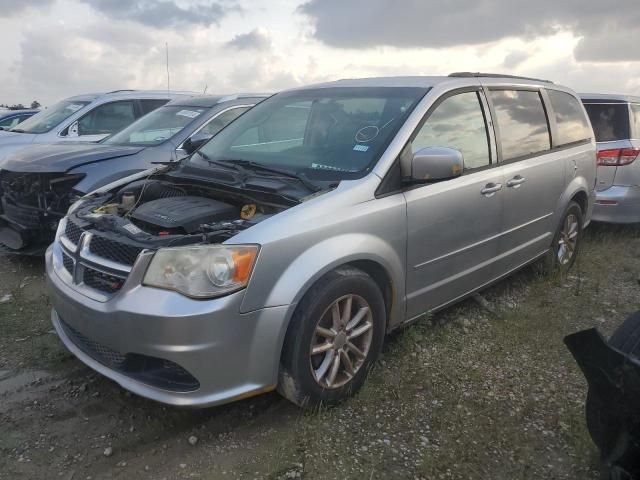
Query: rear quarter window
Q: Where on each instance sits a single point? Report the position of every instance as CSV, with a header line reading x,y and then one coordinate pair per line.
x,y
610,121
635,114
571,122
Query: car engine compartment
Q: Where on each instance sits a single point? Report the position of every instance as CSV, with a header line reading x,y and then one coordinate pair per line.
x,y
158,213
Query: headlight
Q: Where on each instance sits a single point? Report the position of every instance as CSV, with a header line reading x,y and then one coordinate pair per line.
x,y
203,271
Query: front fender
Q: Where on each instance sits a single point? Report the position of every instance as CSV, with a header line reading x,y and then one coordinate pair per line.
x,y
329,254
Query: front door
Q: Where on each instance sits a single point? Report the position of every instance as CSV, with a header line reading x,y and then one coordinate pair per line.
x,y
454,226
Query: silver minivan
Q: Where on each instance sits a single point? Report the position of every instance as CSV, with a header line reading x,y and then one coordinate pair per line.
x,y
616,126
281,253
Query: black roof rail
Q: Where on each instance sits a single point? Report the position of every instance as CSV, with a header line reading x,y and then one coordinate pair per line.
x,y
494,75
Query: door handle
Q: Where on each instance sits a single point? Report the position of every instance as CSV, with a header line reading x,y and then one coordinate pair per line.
x,y
516,181
490,189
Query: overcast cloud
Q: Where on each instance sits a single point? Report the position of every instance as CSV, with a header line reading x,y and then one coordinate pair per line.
x,y
57,48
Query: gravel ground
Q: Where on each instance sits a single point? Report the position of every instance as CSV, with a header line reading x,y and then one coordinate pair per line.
x,y
483,390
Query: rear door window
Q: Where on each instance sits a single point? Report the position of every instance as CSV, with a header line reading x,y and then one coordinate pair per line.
x,y
522,122
107,118
610,121
571,121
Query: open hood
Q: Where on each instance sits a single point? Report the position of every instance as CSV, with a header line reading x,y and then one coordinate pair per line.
x,y
62,157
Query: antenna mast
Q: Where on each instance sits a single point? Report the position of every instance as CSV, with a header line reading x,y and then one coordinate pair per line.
x,y
167,50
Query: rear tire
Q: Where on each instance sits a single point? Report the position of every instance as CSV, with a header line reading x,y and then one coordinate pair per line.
x,y
566,242
335,337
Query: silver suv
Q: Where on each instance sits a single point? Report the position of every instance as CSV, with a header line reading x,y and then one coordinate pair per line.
x,y
616,125
86,118
281,253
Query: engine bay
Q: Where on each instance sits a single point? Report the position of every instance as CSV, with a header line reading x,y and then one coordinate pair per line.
x,y
160,213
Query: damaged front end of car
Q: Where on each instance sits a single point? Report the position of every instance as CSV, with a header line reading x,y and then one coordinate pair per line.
x,y
187,219
612,370
31,204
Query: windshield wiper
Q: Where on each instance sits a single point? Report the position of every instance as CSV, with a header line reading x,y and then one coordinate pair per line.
x,y
17,130
301,177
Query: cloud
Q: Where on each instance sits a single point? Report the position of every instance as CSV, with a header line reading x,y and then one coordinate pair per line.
x,y
515,58
430,24
164,13
11,9
257,39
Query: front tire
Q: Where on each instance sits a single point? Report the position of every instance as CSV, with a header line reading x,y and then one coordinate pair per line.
x,y
335,337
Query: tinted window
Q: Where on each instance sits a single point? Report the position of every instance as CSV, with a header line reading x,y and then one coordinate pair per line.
x,y
150,105
222,120
522,122
610,122
107,118
635,113
458,122
570,119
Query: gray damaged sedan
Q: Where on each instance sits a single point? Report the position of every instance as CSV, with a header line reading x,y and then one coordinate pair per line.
x,y
280,253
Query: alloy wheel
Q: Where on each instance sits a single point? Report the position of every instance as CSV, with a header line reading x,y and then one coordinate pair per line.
x,y
341,341
568,240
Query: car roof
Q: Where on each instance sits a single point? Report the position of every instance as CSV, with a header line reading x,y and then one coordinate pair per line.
x,y
427,81
608,98
5,112
90,97
208,101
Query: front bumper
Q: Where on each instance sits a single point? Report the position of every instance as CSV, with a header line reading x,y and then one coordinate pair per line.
x,y
617,204
232,355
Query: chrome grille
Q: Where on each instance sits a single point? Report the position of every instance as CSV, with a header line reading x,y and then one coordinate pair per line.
x,y
96,263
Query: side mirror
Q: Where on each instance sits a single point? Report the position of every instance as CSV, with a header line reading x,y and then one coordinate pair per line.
x,y
191,144
432,164
72,131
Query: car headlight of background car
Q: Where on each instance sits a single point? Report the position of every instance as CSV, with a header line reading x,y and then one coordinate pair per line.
x,y
202,271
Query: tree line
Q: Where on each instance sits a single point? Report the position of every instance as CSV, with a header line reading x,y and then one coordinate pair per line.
x,y
19,106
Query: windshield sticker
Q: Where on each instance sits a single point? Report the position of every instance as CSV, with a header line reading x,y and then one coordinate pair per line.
x,y
74,107
360,148
131,228
188,113
331,168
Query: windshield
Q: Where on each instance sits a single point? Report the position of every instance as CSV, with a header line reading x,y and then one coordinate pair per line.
x,y
50,118
327,133
157,126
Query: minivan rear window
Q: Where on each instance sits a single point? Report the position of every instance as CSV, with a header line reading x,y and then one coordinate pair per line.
x,y
610,122
571,121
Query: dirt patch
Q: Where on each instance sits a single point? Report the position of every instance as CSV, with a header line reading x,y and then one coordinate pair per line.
x,y
482,390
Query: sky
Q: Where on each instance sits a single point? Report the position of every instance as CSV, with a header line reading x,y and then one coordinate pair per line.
x,y
52,49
